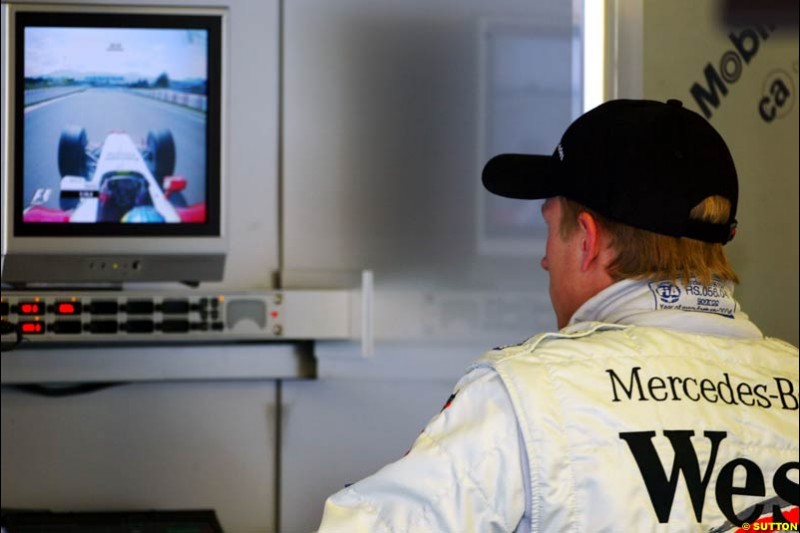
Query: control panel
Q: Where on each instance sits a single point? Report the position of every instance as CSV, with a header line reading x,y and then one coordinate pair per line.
x,y
127,316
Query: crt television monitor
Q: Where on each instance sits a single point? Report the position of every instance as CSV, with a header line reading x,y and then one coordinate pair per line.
x,y
112,151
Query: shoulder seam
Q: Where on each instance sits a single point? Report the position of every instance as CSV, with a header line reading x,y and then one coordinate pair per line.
x,y
533,343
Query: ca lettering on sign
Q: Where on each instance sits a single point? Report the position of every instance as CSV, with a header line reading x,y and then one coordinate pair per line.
x,y
778,96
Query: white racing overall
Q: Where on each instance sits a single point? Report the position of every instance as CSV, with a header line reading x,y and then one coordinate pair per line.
x,y
660,407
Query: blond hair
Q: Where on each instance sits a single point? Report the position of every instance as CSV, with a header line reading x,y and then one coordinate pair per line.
x,y
642,254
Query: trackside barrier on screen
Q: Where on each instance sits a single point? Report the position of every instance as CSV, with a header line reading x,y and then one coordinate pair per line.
x,y
191,100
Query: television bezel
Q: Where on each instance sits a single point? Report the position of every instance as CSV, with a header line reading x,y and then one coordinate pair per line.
x,y
101,259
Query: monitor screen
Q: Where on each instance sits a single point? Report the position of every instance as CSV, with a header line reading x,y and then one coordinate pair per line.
x,y
117,121
113,135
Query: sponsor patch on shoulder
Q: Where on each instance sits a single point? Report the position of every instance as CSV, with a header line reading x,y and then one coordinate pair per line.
x,y
505,346
449,401
713,298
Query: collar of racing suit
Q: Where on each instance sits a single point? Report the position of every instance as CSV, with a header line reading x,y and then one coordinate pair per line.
x,y
689,307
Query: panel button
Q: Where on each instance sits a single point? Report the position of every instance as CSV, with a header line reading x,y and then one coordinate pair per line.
x,y
139,326
104,307
103,326
140,307
67,327
175,326
175,307
4,308
30,308
68,308
32,328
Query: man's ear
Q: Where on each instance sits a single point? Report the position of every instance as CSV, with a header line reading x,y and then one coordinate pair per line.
x,y
591,246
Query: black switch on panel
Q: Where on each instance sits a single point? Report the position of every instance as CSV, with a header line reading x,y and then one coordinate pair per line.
x,y
139,326
104,307
175,326
103,326
175,307
139,307
67,327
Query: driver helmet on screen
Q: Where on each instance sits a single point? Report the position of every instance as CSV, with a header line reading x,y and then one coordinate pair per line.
x,y
142,213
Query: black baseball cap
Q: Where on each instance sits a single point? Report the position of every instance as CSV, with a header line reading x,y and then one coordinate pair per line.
x,y
639,162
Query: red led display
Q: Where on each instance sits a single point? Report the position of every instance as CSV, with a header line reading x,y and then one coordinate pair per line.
x,y
68,308
32,328
31,308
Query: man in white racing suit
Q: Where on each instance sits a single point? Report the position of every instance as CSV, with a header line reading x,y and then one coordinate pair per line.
x,y
657,406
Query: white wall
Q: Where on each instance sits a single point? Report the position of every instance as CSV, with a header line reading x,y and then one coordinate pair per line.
x,y
174,445
252,174
145,446
680,39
